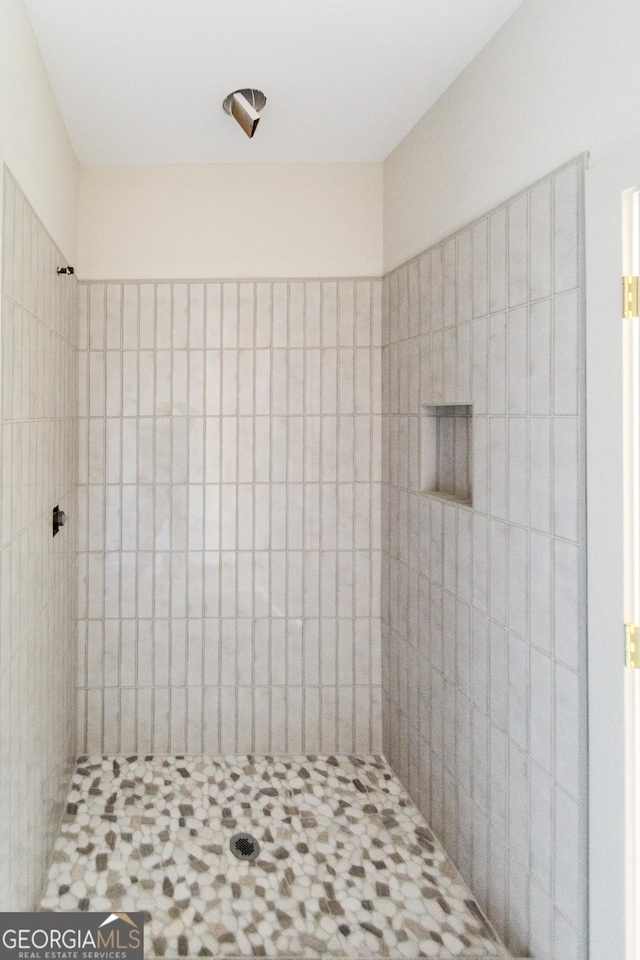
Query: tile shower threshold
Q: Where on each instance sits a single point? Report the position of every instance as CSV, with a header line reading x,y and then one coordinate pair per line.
x,y
347,868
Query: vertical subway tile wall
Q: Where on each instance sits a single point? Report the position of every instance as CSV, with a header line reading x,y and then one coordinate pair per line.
x,y
230,484
38,377
483,608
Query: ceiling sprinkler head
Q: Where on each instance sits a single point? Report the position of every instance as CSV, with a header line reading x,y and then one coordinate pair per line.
x,y
245,106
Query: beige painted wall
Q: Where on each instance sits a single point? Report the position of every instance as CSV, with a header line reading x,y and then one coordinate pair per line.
x,y
559,78
33,138
230,220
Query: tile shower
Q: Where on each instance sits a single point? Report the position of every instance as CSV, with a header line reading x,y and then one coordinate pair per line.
x,y
483,610
267,599
230,468
38,408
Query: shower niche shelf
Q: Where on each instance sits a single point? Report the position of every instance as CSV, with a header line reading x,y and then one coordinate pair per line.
x,y
446,452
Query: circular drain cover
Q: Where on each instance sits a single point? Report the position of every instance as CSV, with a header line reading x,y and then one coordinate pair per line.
x,y
244,846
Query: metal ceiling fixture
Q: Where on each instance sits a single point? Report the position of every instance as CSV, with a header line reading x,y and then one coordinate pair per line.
x,y
245,106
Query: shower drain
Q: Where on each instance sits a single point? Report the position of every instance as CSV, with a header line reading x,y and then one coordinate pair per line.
x,y
244,846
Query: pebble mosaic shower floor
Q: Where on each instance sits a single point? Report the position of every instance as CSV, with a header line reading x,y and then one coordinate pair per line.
x,y
347,867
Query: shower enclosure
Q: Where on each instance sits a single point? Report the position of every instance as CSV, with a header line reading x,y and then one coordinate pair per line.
x,y
314,521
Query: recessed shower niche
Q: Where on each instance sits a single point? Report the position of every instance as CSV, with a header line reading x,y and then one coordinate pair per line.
x,y
446,445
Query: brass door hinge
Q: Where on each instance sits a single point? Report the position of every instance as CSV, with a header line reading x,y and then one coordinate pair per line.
x,y
629,297
631,653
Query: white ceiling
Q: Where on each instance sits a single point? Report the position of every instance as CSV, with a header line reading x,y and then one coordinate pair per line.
x,y
142,81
